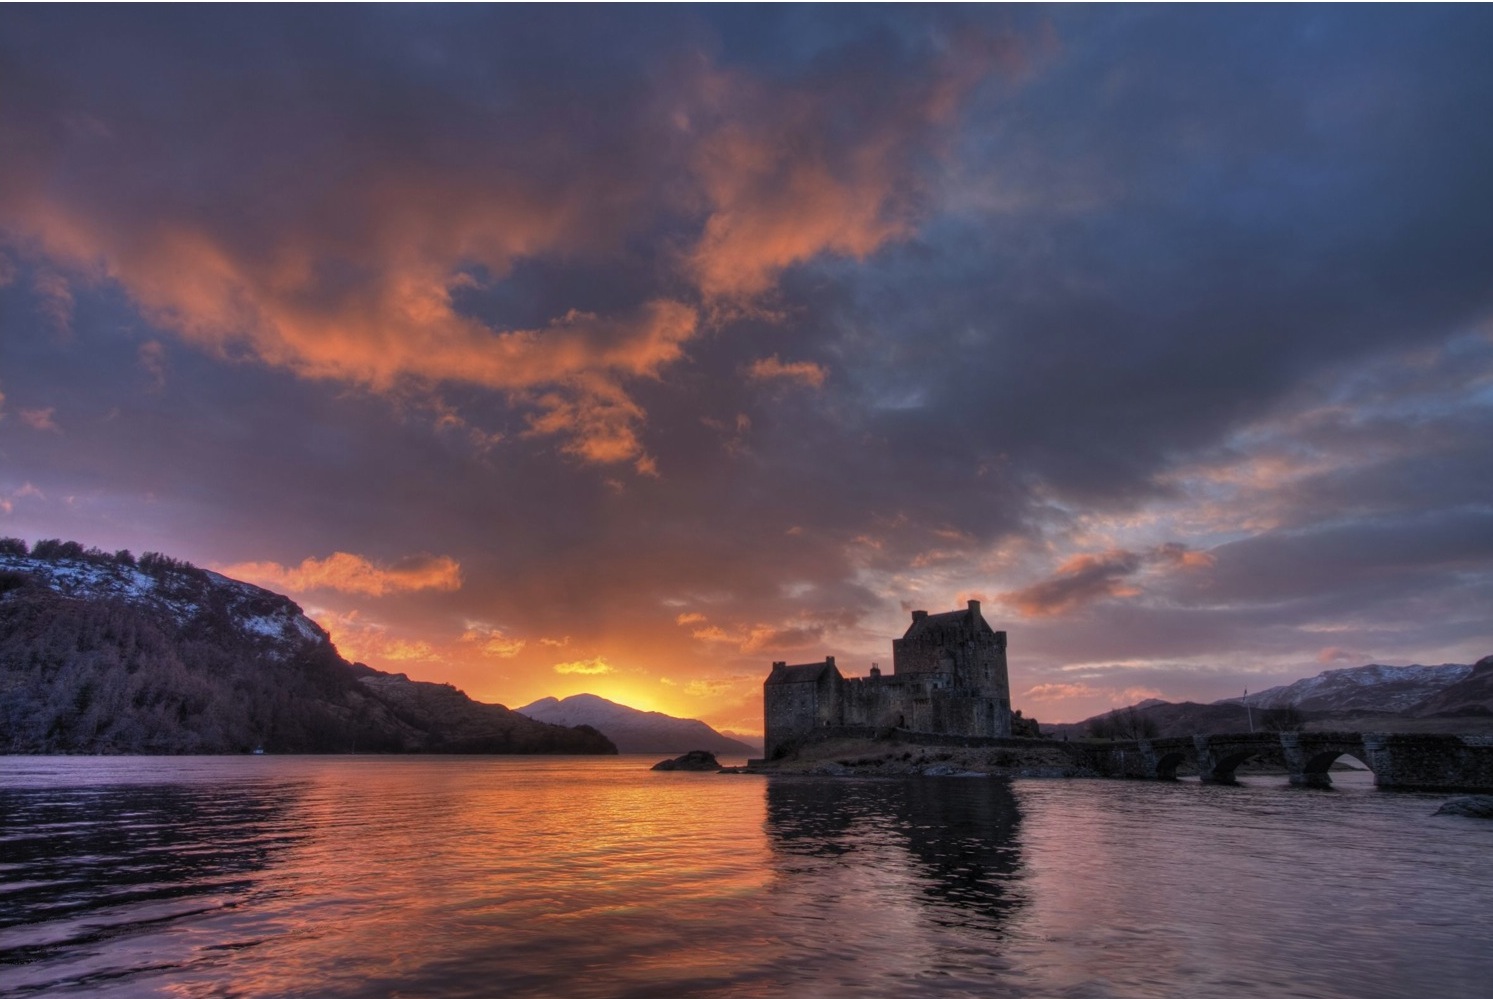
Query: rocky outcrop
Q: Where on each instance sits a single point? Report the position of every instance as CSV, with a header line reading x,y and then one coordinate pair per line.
x,y
695,759
1476,806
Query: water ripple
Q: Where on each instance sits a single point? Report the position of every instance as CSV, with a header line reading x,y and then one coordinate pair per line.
x,y
598,878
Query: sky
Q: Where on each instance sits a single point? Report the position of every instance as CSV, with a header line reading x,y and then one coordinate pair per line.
x,y
629,350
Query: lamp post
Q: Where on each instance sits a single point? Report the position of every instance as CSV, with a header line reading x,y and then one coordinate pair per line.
x,y
1248,713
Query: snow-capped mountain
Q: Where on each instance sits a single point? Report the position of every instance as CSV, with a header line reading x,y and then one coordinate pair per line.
x,y
632,730
1360,688
180,591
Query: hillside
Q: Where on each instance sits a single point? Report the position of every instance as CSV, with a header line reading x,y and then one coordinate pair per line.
x,y
1360,688
1449,698
632,730
1471,696
104,653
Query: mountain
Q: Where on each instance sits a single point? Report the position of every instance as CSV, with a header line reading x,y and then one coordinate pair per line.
x,y
752,742
1360,688
1470,696
1450,697
632,730
102,653
1155,719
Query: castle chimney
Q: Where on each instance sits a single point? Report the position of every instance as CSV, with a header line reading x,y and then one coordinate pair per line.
x,y
974,608
875,671
919,615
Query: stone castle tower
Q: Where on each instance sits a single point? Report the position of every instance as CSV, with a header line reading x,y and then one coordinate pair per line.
x,y
948,678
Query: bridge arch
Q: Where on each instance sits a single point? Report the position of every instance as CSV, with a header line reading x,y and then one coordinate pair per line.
x,y
1167,764
1315,770
1322,762
1225,765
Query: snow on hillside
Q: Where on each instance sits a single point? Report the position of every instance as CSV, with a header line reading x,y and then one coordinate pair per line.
x,y
183,593
1363,688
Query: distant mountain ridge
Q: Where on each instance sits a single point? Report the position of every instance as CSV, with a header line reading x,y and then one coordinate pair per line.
x,y
1452,696
104,653
632,730
1360,688
1470,696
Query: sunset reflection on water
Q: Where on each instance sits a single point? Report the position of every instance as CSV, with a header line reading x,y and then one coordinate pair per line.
x,y
379,876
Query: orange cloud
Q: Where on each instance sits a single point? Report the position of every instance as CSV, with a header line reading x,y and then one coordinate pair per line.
x,y
1086,578
718,686
586,667
1134,695
362,640
1080,580
363,274
347,573
791,174
769,368
753,638
780,194
398,326
493,641
1059,691
773,210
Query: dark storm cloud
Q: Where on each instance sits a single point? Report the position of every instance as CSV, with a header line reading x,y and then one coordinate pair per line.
x,y
691,336
1312,193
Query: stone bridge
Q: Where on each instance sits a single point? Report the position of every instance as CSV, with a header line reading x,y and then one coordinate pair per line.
x,y
1408,762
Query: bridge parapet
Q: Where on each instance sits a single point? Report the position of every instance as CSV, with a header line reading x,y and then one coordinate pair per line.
x,y
1401,761
1431,762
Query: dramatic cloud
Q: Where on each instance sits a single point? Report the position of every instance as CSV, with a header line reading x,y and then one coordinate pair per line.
x,y
1080,580
382,276
705,337
346,573
794,172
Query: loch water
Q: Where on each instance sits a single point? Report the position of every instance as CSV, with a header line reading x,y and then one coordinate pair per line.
x,y
596,877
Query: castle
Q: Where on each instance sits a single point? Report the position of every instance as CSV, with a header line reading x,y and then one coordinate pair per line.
x,y
948,678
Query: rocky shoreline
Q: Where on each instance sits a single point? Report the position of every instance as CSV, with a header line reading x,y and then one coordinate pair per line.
x,y
870,758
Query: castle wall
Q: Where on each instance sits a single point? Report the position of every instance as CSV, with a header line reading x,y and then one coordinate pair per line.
x,y
926,703
916,656
949,679
791,709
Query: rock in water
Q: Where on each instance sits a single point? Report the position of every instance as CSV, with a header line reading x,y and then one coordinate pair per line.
x,y
1477,806
695,759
